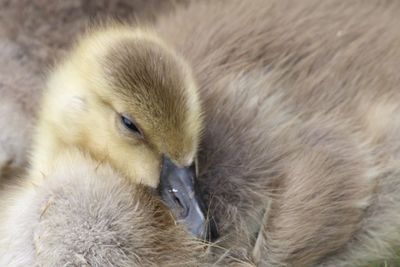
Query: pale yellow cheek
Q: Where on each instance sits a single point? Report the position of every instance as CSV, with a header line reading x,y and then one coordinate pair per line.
x,y
139,164
146,171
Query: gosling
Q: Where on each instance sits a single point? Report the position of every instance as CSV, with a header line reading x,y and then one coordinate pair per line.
x,y
128,100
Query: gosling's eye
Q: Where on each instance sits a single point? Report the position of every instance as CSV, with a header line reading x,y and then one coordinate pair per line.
x,y
130,125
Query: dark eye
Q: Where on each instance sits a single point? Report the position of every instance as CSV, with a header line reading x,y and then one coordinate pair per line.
x,y
129,125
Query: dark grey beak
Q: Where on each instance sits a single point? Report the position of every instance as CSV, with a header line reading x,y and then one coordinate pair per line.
x,y
178,190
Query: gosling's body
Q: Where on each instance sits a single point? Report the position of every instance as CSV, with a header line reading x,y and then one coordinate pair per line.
x,y
86,214
301,125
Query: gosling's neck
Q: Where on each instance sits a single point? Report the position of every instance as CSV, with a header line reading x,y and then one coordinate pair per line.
x,y
61,117
47,147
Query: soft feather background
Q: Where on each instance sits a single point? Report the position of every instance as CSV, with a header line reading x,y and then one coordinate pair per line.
x,y
32,35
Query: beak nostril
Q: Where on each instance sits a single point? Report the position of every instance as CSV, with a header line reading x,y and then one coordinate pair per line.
x,y
180,206
182,209
177,201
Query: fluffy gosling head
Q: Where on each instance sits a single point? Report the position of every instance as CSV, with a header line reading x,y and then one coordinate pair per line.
x,y
127,99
